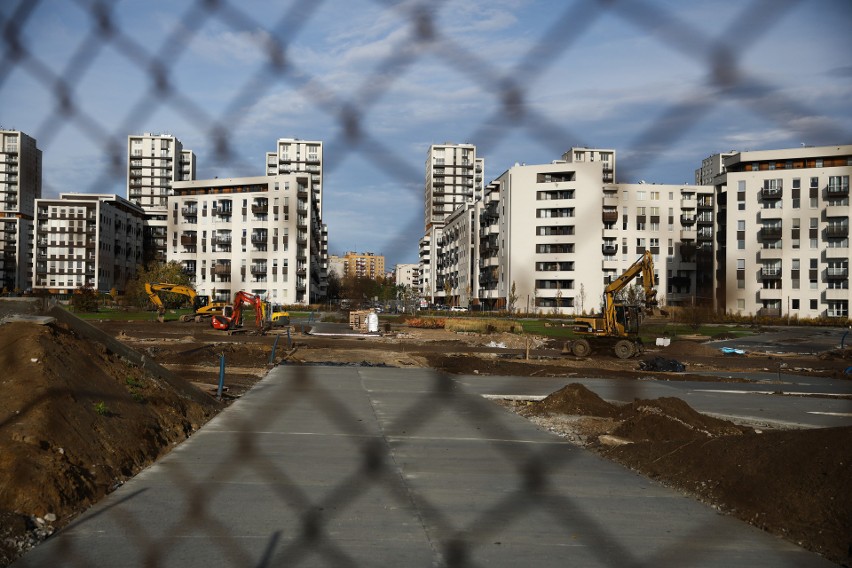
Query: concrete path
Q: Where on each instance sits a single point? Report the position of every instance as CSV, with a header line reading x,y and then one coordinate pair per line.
x,y
332,466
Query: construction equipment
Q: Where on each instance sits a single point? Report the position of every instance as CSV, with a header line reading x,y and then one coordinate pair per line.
x,y
231,319
200,304
279,316
618,326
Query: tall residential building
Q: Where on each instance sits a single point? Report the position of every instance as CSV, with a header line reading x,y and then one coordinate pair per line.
x,y
262,235
154,163
87,240
784,232
453,177
606,157
20,186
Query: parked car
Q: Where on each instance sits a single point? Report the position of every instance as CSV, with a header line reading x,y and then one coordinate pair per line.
x,y
458,309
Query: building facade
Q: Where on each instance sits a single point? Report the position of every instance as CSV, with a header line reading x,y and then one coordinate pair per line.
x,y
550,238
604,156
93,240
20,186
362,265
711,168
262,235
785,232
407,275
154,163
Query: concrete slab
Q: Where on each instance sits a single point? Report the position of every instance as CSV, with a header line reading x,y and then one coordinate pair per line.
x,y
395,467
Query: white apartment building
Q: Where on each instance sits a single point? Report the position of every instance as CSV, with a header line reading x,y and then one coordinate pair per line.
x,y
558,236
453,177
293,155
456,266
20,186
87,239
606,156
407,275
786,232
154,163
263,235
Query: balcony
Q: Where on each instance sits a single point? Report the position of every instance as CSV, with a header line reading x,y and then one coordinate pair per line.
x,y
610,201
259,238
837,231
189,240
610,216
769,312
687,203
771,254
687,220
771,294
220,240
770,273
837,273
841,211
609,250
837,190
258,268
837,252
223,269
189,211
771,193
705,235
770,233
222,211
260,208
771,213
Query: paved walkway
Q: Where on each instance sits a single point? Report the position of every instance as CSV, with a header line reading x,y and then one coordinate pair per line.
x,y
335,466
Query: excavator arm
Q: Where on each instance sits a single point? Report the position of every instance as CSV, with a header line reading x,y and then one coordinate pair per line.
x,y
151,288
644,266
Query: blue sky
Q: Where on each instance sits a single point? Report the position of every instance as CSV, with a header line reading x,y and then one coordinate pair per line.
x,y
664,83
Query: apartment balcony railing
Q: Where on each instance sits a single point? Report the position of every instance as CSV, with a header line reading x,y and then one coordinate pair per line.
x,y
260,208
188,240
837,190
222,269
609,249
220,240
773,193
222,211
259,238
770,272
770,232
837,231
837,272
258,269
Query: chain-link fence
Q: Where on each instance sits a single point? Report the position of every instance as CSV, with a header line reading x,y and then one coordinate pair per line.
x,y
730,79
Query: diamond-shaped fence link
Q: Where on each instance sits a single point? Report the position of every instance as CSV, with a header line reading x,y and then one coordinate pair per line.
x,y
727,80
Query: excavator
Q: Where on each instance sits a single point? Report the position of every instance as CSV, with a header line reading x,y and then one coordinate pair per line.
x,y
201,304
231,319
618,326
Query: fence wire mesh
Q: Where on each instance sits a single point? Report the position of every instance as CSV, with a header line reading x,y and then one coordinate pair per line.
x,y
729,80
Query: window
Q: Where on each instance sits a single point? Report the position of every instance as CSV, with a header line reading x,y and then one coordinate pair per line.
x,y
795,303
740,303
640,195
740,264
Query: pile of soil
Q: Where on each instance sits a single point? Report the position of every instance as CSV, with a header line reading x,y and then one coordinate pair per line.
x,y
791,483
75,422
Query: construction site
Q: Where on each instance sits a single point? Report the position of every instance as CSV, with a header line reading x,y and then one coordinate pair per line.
x,y
89,405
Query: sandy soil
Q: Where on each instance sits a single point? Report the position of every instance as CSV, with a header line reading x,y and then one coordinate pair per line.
x,y
78,421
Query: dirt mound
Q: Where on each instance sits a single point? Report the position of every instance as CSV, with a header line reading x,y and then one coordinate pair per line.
x,y
793,484
670,419
77,420
574,399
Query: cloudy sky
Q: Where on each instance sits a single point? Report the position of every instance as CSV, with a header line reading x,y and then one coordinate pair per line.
x,y
663,82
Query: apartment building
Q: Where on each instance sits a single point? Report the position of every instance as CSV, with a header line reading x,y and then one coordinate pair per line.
x,y
711,168
456,266
551,237
407,275
453,177
605,156
20,186
154,163
91,240
362,265
784,224
263,235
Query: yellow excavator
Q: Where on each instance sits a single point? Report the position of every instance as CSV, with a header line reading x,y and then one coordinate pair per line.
x,y
201,304
617,328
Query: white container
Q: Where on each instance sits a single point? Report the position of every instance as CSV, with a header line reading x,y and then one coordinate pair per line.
x,y
372,323
664,341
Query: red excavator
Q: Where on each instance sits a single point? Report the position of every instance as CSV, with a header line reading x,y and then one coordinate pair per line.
x,y
232,316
